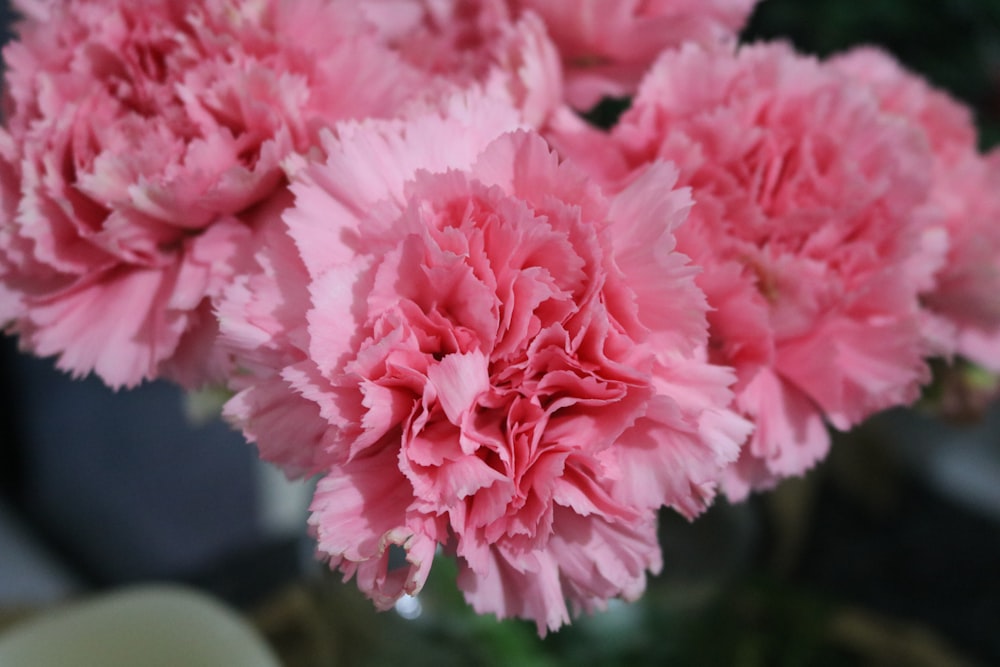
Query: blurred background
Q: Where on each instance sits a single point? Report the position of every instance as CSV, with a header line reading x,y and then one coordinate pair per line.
x,y
886,554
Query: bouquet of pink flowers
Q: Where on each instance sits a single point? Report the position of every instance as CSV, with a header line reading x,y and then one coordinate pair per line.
x,y
489,327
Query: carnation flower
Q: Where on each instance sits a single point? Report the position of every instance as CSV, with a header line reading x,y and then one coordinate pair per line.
x,y
607,45
811,228
966,193
460,43
965,290
483,353
604,46
140,137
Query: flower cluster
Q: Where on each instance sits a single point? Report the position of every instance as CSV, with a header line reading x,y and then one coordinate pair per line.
x,y
486,327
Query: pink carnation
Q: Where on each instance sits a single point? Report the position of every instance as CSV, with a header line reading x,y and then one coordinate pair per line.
x,y
603,47
966,289
475,42
140,136
811,226
966,193
607,45
480,364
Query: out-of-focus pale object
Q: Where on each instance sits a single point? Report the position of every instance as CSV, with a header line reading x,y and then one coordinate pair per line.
x,y
153,626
